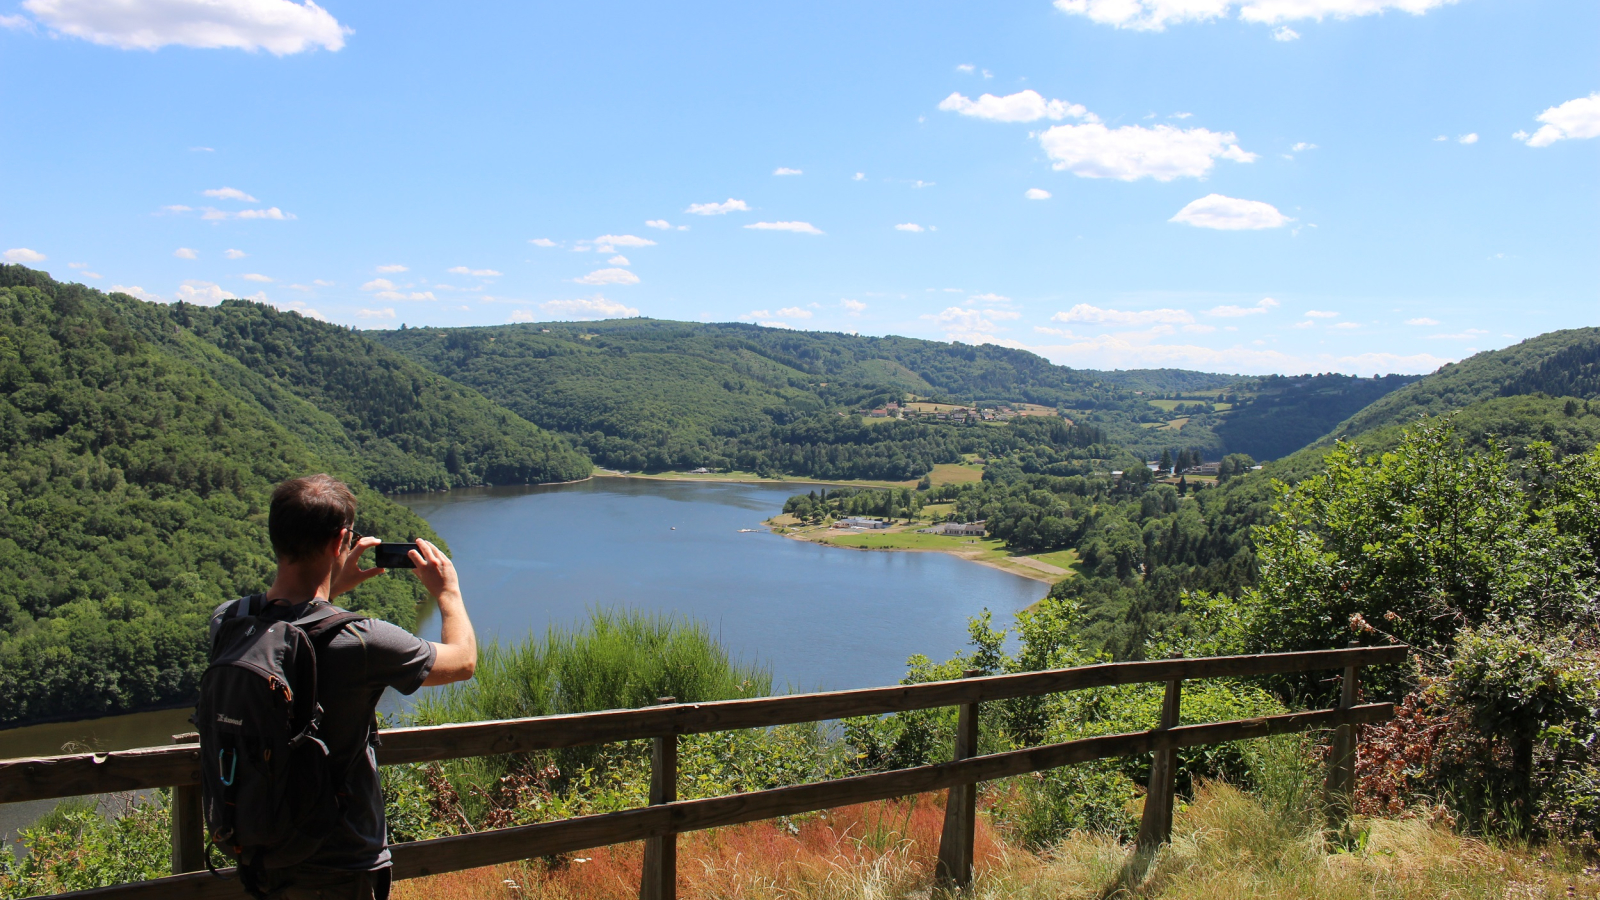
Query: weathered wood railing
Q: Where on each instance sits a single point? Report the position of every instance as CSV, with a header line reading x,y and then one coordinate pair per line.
x,y
659,823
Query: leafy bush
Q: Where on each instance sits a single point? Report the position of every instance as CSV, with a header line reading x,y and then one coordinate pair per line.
x,y
75,848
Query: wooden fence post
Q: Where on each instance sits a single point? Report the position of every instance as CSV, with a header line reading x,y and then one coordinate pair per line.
x,y
954,869
188,822
660,876
1342,755
1155,828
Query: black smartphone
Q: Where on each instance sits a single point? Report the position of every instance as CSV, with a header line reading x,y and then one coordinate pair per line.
x,y
394,556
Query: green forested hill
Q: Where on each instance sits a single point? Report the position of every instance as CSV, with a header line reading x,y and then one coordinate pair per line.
x,y
135,463
1560,363
650,394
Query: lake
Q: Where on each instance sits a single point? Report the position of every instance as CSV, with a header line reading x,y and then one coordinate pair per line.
x,y
818,617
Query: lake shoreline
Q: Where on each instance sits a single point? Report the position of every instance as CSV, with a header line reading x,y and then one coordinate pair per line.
x,y
1049,574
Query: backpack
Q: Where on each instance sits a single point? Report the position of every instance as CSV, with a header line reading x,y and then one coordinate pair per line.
x,y
267,785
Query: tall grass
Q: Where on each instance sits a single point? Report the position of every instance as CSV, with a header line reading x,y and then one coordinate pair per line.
x,y
622,659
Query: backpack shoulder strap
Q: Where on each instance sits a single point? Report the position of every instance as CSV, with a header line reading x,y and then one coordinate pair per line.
x,y
325,621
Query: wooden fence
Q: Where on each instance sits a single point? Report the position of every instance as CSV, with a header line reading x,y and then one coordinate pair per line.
x,y
178,766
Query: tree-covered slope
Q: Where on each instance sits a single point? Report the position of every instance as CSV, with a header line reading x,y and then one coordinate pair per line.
x,y
1560,363
412,429
133,490
644,393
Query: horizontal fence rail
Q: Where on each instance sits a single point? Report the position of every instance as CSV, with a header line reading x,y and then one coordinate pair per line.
x,y
61,776
128,770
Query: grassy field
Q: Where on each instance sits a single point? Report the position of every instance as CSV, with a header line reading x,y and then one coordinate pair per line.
x,y
912,540
1225,844
953,473
1062,559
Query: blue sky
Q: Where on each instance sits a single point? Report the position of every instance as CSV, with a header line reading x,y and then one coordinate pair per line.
x,y
1231,185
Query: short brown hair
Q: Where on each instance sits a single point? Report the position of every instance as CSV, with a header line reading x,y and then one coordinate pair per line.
x,y
308,512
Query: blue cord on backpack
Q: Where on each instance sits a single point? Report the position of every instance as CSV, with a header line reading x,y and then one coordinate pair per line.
x,y
232,770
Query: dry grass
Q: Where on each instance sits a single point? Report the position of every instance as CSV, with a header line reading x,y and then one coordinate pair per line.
x,y
1225,846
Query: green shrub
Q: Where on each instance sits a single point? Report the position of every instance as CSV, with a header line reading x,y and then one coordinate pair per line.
x,y
74,848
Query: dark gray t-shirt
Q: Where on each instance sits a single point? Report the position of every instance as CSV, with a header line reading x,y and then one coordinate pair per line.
x,y
362,659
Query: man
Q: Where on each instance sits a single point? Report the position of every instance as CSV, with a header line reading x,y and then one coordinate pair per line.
x,y
310,523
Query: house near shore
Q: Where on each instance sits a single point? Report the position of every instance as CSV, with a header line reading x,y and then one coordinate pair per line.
x,y
957,529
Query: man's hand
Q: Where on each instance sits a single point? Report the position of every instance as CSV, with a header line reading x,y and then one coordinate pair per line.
x,y
347,572
435,571
455,656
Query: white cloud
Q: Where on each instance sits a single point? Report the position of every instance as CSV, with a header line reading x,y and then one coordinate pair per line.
x,y
133,290
1321,314
202,149
543,242
217,214
859,176
661,224
1156,15
463,270
1230,214
717,209
256,276
585,309
1141,350
1423,320
1023,106
971,325
1306,324
1574,119
1197,328
785,170
72,265
607,243
966,68
1468,138
1133,151
1441,138
618,260
15,23
386,313
320,283
228,193
608,276
176,208
1036,194
204,293
1084,312
1271,12
797,227
24,255
909,226
986,298
853,307
1285,33
279,27
391,269
378,284
1302,147
401,295
234,254
795,312
1233,312
186,253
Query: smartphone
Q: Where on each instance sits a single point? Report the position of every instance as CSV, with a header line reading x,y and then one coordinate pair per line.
x,y
394,556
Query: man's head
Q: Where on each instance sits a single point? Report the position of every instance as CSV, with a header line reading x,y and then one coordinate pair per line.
x,y
307,515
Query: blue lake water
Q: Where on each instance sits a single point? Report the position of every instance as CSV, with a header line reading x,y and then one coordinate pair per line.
x,y
819,617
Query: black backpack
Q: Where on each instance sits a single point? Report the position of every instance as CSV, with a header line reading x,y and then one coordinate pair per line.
x,y
268,786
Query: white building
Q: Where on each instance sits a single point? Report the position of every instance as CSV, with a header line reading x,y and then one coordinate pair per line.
x,y
957,529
